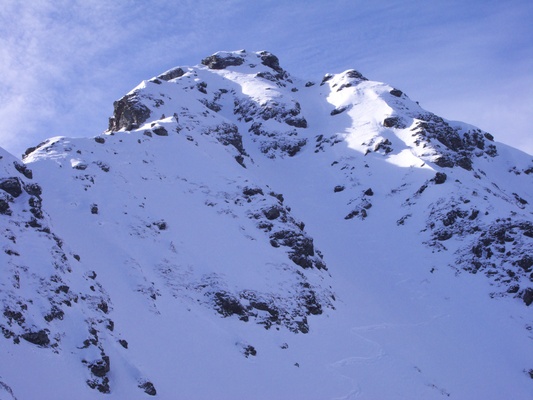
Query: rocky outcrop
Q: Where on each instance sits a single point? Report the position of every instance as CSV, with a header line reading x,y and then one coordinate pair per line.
x,y
269,310
502,252
453,146
228,135
171,74
289,113
129,113
223,60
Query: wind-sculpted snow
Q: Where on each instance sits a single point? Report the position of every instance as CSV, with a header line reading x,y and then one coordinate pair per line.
x,y
236,226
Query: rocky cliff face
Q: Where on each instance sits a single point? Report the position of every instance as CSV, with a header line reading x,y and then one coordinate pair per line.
x,y
233,212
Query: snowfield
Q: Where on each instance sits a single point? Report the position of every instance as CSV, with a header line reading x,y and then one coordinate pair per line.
x,y
239,233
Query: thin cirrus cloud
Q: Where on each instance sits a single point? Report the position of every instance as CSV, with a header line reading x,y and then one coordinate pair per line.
x,y
64,62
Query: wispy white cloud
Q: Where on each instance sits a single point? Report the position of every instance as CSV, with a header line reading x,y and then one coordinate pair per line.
x,y
64,62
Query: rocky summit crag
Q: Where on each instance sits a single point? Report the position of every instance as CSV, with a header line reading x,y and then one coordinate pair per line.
x,y
238,232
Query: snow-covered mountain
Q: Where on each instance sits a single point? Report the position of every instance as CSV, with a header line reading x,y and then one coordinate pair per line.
x,y
239,233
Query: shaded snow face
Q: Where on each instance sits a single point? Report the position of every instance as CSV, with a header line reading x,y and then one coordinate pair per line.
x,y
327,235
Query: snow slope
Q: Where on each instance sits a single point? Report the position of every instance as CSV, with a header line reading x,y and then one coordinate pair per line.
x,y
240,233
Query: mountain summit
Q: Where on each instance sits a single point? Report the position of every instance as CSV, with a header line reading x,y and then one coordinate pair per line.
x,y
238,232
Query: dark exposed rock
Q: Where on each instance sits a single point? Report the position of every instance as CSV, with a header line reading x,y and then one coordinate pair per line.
x,y
249,351
247,191
263,306
161,225
526,262
473,215
369,192
30,150
352,214
326,78
452,216
272,213
303,325
273,142
321,141
64,288
4,207
278,196
12,186
100,367
338,110
103,307
268,305
501,251
526,228
444,161
103,166
129,113
268,76
148,388
34,223
527,296
23,170
172,74
228,134
33,189
291,148
396,92
102,385
212,105
352,73
94,209
443,235
265,309
491,150
270,60
99,139
123,343
384,145
81,166
202,87
311,303
35,204
513,289
338,188
459,146
288,113
392,122
440,178
15,316
111,324
464,162
227,305
39,338
222,60
55,313
297,122
520,199
302,249
160,131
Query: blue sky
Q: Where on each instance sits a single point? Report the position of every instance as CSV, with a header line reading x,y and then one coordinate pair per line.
x,y
64,62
